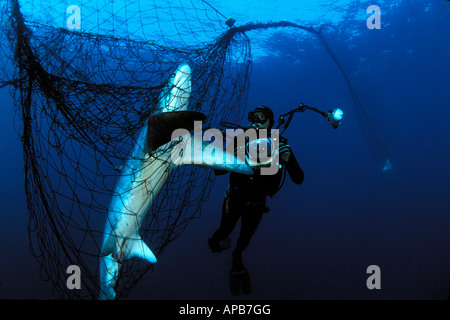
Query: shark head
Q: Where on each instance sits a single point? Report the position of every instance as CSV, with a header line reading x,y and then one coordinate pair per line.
x,y
177,92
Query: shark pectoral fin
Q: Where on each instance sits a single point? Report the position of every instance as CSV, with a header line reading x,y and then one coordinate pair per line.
x,y
216,157
138,249
229,162
109,271
109,245
196,152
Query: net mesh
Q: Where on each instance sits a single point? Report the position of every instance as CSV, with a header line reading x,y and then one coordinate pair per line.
x,y
84,89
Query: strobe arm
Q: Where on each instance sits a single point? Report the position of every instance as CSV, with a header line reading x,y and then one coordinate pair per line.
x,y
334,117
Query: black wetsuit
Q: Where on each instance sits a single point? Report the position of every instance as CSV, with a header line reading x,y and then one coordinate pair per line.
x,y
246,199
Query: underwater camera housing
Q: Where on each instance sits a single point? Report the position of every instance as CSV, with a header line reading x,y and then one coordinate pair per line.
x,y
255,148
335,117
262,151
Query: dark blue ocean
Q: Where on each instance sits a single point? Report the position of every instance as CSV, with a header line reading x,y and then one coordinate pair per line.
x,y
319,238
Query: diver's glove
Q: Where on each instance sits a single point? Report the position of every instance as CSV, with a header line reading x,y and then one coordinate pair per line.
x,y
285,151
219,246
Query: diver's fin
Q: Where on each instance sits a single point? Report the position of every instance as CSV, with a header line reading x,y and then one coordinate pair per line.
x,y
245,282
235,284
239,279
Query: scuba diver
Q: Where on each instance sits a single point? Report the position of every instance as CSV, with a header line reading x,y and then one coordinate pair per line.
x,y
246,199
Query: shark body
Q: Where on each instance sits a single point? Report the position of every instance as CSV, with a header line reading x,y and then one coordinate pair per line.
x,y
141,180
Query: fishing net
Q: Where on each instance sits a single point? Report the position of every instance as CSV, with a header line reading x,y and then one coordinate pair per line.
x,y
83,98
84,89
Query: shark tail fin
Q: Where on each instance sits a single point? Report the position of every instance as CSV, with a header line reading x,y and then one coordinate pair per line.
x,y
109,270
139,249
110,262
